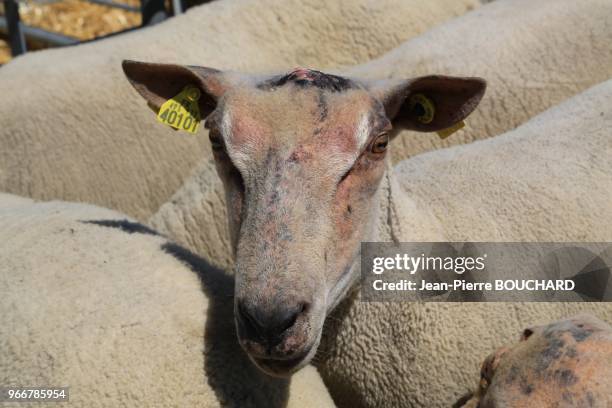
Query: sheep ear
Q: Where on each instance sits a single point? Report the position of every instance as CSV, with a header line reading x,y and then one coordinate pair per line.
x,y
157,83
429,103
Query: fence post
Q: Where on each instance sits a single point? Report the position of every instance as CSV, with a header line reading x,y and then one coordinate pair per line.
x,y
177,7
15,33
153,11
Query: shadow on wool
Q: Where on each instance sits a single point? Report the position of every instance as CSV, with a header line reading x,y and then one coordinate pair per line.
x,y
229,372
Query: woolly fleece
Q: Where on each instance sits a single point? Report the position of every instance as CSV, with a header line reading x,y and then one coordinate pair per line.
x,y
533,55
548,180
99,303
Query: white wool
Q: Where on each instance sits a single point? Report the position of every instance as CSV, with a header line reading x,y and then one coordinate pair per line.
x,y
533,54
93,301
548,180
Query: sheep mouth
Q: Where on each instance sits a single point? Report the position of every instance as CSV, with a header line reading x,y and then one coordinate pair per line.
x,y
284,367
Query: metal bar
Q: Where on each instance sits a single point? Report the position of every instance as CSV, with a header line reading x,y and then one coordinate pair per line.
x,y
15,34
39,34
153,11
114,4
177,7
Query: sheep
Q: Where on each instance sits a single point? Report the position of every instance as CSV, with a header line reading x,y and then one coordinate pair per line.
x,y
562,364
534,55
94,301
78,134
305,187
504,42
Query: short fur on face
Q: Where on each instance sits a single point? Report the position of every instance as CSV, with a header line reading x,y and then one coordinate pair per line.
x,y
301,155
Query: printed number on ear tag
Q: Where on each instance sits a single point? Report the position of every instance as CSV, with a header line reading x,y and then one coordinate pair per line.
x,y
444,133
182,112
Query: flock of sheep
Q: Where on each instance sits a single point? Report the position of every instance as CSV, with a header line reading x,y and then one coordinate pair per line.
x,y
134,306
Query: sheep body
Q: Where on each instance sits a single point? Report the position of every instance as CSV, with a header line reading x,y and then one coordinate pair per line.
x,y
96,302
80,133
525,50
547,180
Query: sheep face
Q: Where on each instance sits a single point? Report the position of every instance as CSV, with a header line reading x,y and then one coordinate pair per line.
x,y
301,156
301,166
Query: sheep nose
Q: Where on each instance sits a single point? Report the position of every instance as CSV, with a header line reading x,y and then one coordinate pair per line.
x,y
268,326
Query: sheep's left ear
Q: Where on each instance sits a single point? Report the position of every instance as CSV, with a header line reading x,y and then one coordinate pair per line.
x,y
429,103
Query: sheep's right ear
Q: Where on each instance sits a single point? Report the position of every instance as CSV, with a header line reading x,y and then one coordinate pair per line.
x,y
157,83
430,103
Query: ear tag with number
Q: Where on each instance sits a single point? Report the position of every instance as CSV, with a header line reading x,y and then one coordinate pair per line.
x,y
444,133
182,112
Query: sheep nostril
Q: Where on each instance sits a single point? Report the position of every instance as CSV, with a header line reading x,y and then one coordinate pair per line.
x,y
526,334
287,319
269,326
251,324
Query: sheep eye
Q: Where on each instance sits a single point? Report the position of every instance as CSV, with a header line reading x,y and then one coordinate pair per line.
x,y
380,144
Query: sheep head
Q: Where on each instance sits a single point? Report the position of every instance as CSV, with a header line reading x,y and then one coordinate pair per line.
x,y
301,156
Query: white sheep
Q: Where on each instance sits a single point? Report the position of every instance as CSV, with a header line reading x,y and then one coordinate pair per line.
x,y
547,180
96,302
533,54
523,48
306,187
72,130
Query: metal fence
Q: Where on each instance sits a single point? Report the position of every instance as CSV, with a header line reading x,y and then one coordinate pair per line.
x,y
152,11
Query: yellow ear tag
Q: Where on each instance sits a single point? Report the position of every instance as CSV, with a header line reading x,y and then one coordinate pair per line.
x,y
182,112
444,133
424,106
